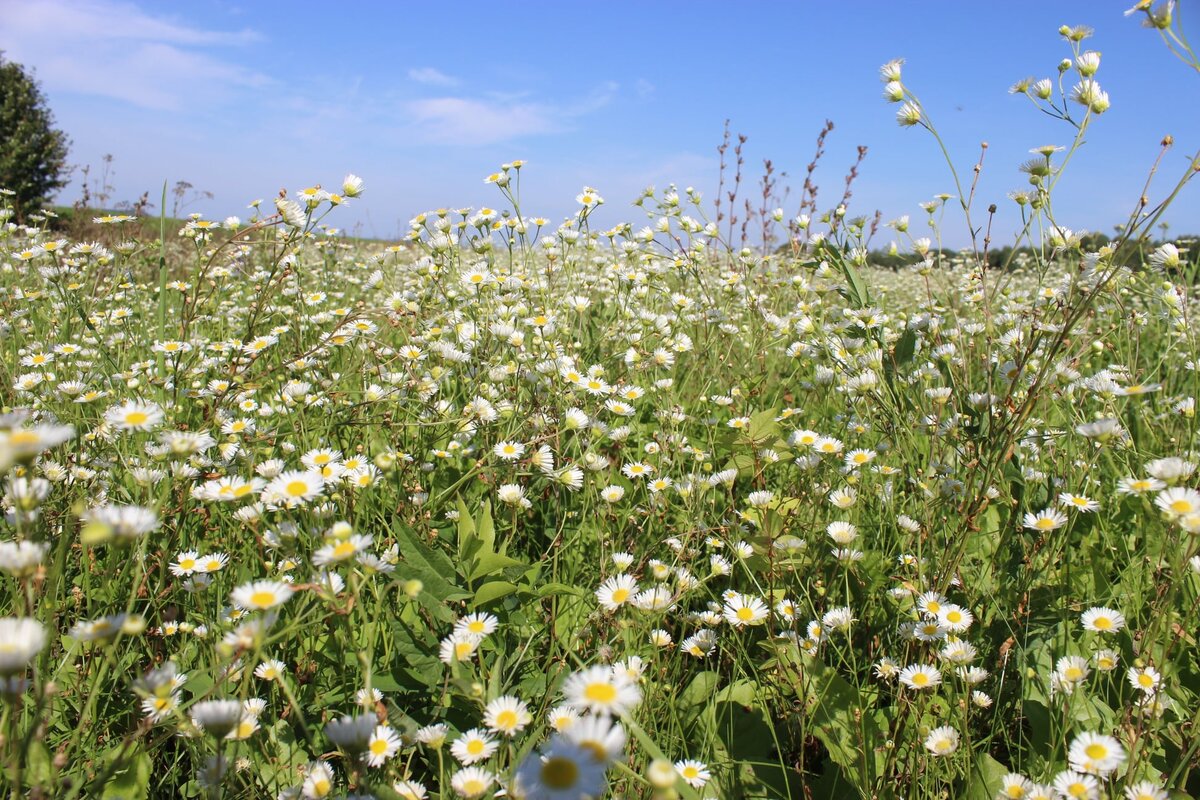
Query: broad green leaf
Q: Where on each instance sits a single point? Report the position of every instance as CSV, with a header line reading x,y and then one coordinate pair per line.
x,y
466,531
492,591
430,566
844,722
551,589
984,778
491,563
762,427
484,528
906,347
701,689
131,781
856,289
37,764
742,462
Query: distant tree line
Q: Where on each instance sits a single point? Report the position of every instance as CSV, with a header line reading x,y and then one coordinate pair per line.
x,y
1001,257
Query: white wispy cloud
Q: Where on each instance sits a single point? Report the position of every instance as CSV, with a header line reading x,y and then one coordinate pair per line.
x,y
114,49
432,76
459,120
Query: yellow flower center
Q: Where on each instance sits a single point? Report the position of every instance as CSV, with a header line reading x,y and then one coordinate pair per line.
x,y
559,773
620,595
475,747
1096,751
745,614
136,418
262,599
297,488
920,679
379,746
600,692
506,720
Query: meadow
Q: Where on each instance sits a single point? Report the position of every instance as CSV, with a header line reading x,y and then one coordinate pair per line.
x,y
556,511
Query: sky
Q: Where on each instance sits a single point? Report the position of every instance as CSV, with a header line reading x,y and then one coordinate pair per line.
x,y
424,100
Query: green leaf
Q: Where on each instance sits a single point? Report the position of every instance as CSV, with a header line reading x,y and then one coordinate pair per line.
x,y
701,689
432,567
842,719
37,764
743,463
986,774
466,530
199,683
905,348
492,591
484,528
983,543
552,589
490,563
415,662
131,781
477,556
762,426
856,290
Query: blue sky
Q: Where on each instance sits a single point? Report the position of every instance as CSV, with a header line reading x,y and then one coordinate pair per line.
x,y
424,100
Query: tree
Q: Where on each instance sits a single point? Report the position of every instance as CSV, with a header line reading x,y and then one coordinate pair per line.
x,y
33,154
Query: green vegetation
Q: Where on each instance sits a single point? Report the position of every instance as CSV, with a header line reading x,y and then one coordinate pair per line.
x,y
33,154
639,512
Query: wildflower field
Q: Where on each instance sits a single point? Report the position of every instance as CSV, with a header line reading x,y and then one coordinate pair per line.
x,y
556,511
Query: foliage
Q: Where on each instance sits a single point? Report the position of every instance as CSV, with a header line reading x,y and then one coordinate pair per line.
x,y
33,153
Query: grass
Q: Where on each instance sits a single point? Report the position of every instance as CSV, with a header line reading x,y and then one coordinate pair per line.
x,y
290,515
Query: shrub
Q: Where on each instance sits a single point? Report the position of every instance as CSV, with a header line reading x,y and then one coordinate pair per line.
x,y
33,153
